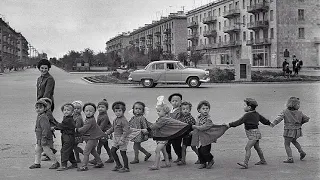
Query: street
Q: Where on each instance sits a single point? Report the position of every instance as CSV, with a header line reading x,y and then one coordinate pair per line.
x,y
18,95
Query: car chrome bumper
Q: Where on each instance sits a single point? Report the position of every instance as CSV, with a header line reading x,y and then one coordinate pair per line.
x,y
205,80
130,79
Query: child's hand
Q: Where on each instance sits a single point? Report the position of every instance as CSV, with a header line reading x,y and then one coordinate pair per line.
x,y
194,127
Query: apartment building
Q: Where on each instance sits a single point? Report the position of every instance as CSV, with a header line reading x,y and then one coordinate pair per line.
x,y
23,48
118,44
168,35
264,31
8,43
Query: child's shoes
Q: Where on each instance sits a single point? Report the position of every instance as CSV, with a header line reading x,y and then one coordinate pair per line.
x,y
152,168
202,166
181,163
99,165
83,168
134,161
55,166
34,166
73,166
123,170
302,155
243,165
166,166
289,160
116,168
261,163
210,164
93,161
110,160
147,157
62,168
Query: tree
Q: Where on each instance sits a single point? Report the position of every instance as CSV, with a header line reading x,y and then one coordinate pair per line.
x,y
196,57
87,55
182,57
100,59
169,56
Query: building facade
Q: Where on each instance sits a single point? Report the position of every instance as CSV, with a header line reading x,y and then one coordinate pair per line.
x,y
263,31
117,44
23,49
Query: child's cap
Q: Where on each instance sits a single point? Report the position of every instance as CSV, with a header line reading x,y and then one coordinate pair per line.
x,y
185,103
89,104
47,100
104,102
251,102
201,103
77,103
122,104
174,94
67,104
43,102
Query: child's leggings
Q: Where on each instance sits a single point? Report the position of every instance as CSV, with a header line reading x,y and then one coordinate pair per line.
x,y
116,158
46,149
204,154
67,149
91,148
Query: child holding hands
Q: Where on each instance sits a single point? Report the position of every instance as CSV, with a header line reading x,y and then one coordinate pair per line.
x,y
293,120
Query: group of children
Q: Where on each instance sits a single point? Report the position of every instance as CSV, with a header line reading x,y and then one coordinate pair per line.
x,y
175,126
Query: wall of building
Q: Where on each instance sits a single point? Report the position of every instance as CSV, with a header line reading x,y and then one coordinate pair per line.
x,y
180,36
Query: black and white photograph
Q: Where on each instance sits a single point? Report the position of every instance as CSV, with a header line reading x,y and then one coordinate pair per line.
x,y
160,90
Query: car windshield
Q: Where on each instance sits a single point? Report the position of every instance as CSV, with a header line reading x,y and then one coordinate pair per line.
x,y
181,66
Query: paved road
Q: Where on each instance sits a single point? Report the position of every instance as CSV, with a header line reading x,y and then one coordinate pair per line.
x,y
17,122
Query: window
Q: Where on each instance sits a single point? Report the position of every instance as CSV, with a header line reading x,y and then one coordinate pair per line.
x,y
301,33
171,66
237,5
205,41
271,33
204,15
244,19
219,12
225,38
230,7
225,23
224,9
244,36
243,4
301,14
159,66
200,17
200,30
219,25
271,15
219,39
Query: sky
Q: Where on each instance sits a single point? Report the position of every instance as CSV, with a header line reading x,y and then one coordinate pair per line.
x,y
58,26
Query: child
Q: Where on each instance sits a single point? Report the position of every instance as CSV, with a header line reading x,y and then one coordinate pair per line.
x,y
251,121
120,127
175,100
44,136
293,120
164,129
91,133
206,133
78,120
67,127
138,121
53,122
186,117
104,124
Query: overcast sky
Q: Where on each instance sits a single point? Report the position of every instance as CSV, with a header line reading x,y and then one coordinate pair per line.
x,y
57,26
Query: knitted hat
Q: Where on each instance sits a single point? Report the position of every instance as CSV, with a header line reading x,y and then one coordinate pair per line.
x,y
67,104
104,103
43,102
48,100
77,103
251,102
89,104
174,94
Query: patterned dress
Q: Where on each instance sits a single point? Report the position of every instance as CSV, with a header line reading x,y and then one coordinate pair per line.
x,y
139,122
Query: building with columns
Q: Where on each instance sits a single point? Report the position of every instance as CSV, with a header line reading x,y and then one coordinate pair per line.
x,y
264,31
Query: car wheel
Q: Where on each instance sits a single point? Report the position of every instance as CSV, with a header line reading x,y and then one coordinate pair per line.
x,y
147,83
193,82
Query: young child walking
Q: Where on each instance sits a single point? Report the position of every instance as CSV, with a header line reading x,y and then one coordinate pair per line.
x,y
120,128
164,129
67,128
186,117
138,121
53,122
293,120
78,120
104,124
175,101
44,136
251,121
91,134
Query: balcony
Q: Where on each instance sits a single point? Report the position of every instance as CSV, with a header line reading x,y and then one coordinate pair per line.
x,y
192,24
232,43
232,28
137,40
142,38
262,41
210,33
231,13
258,25
200,47
158,43
158,33
193,36
211,46
167,31
149,36
317,40
167,41
149,45
131,42
259,7
209,20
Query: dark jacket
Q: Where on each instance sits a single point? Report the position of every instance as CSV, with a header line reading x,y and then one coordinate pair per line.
x,y
90,129
67,126
103,121
250,120
78,120
42,129
45,87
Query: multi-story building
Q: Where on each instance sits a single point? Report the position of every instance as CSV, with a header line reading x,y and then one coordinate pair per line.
x,y
264,31
117,44
8,43
23,48
167,35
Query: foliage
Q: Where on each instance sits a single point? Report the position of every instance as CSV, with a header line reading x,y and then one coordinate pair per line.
x,y
133,57
168,56
221,75
195,57
183,57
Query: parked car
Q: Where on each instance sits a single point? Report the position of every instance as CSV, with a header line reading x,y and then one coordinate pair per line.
x,y
170,72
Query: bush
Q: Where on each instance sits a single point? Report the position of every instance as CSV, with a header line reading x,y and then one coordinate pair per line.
x,y
124,75
115,74
221,75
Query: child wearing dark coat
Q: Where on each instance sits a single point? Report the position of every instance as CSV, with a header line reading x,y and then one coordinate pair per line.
x,y
78,120
67,128
251,121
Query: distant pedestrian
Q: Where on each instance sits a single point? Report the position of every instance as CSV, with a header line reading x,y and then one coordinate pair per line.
x,y
121,130
139,121
91,134
45,83
67,128
204,134
285,65
78,120
43,136
293,121
251,121
294,63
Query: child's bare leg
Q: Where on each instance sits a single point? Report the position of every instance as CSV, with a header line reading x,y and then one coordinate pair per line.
x,y
184,154
298,146
136,146
157,155
166,156
194,148
248,147
260,153
287,142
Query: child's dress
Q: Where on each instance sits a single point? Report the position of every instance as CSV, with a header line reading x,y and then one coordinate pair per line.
x,y
139,122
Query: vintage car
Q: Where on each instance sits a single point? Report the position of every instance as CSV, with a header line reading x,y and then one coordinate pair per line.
x,y
169,72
